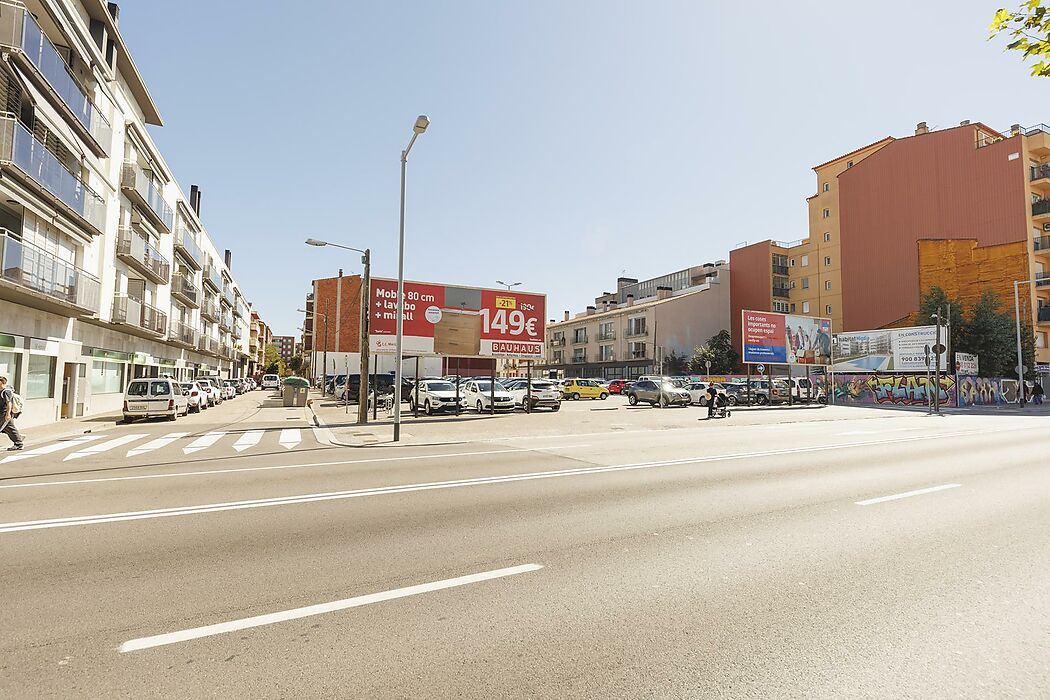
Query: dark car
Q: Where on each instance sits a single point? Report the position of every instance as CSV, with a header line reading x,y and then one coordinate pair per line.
x,y
663,394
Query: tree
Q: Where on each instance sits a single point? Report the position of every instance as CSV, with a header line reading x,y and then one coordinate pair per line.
x,y
936,297
701,355
989,334
675,364
724,357
296,364
1029,28
274,363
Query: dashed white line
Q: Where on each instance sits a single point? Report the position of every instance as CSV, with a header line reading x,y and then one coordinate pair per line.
x,y
907,494
320,609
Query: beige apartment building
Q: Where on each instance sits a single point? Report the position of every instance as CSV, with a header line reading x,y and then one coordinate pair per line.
x,y
624,337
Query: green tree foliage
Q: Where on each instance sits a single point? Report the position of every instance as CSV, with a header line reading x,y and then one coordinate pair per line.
x,y
274,363
952,309
698,362
675,364
724,356
295,364
1028,28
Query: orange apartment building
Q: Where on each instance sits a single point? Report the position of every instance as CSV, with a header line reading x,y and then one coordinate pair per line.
x,y
966,208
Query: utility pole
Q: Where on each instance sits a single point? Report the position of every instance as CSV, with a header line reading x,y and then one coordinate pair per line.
x,y
366,304
937,366
324,373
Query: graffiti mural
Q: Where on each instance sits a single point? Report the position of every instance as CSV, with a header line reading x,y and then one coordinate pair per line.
x,y
891,389
983,391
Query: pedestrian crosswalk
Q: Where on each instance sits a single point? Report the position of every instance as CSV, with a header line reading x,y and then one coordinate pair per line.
x,y
181,443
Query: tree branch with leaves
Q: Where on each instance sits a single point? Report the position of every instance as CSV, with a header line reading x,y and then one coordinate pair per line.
x,y
1028,27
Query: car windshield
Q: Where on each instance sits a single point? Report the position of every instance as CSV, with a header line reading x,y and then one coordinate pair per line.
x,y
542,385
486,386
439,386
668,386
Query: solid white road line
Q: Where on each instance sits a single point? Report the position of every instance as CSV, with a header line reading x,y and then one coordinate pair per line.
x,y
92,450
426,486
48,449
320,609
203,442
156,444
290,437
906,494
210,472
248,440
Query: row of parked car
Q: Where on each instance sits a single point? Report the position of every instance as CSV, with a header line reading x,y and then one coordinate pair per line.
x,y
665,391
166,397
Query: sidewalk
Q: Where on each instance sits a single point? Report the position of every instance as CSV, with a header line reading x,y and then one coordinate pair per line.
x,y
67,429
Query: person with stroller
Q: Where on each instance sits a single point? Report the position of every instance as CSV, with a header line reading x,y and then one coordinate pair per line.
x,y
712,400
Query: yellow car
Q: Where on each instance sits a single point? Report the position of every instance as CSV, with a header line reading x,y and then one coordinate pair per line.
x,y
577,389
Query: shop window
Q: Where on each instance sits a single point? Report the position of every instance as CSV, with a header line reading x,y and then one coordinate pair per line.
x,y
40,384
107,378
10,364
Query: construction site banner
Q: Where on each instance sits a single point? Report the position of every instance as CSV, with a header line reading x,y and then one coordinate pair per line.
x,y
454,321
889,350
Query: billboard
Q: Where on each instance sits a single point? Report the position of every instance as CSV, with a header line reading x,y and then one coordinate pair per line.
x,y
889,350
772,338
966,364
457,321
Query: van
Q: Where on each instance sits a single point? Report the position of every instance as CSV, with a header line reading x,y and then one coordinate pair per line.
x,y
149,398
271,381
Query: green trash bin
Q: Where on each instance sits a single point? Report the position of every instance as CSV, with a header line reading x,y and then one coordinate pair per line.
x,y
295,392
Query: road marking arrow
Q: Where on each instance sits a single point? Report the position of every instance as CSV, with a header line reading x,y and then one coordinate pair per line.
x,y
290,437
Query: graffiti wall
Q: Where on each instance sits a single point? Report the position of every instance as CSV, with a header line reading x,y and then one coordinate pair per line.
x,y
981,391
891,389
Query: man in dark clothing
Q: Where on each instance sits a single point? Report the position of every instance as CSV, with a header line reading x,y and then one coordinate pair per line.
x,y
7,418
712,400
1037,394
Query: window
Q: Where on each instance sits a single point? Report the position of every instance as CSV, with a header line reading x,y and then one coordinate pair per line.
x,y
805,283
605,331
780,306
792,309
41,380
579,354
827,213
10,363
827,237
805,307
636,326
827,309
849,164
579,335
606,353
827,260
805,261
637,350
557,357
827,187
827,284
107,378
792,284
792,262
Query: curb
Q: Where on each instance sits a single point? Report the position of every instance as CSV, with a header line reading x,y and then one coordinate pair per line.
x,y
321,430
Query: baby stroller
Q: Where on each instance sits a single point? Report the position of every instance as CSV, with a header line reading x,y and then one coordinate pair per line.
x,y
721,406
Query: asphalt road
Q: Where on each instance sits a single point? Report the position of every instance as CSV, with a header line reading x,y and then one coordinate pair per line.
x,y
731,561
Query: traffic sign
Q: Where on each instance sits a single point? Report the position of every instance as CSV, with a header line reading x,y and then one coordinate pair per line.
x,y
1020,369
939,348
761,369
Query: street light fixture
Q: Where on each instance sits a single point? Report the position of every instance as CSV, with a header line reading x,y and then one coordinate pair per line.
x,y
422,122
508,285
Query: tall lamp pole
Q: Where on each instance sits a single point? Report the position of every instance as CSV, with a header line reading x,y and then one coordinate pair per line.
x,y
324,317
1020,353
508,285
418,128
364,299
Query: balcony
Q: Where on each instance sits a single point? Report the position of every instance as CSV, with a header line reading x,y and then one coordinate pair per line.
x,y
606,335
141,190
236,332
557,342
780,269
189,249
240,310
140,317
1042,279
41,169
1041,209
225,320
579,339
1044,314
579,359
210,309
780,291
182,334
46,68
227,296
226,351
607,357
208,345
36,278
636,332
212,278
637,354
1041,244
182,287
136,252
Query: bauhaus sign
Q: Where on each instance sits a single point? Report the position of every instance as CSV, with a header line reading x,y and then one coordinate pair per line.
x,y
457,321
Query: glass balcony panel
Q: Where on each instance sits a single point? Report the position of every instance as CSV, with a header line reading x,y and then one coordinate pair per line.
x,y
33,268
188,247
135,179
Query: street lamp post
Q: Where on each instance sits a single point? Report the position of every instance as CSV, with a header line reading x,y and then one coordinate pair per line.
x,y
508,285
418,128
1020,353
364,297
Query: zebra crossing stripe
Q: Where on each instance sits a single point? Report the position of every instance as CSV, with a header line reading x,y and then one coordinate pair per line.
x,y
203,442
101,447
290,437
248,440
48,449
156,444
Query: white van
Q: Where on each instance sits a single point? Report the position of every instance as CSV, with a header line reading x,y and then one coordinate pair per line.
x,y
271,381
149,398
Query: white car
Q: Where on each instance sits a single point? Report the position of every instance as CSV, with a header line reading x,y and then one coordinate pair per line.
x,y
271,381
196,397
698,391
149,398
545,393
437,395
478,393
214,396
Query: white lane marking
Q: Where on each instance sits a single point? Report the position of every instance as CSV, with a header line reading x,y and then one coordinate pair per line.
x,y
290,437
407,488
48,449
516,450
156,444
202,443
906,494
320,609
879,432
248,440
101,447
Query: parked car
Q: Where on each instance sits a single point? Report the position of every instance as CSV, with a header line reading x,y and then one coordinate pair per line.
x,y
660,394
436,395
214,395
480,393
232,388
577,389
698,391
762,392
271,381
804,390
619,386
196,397
150,398
544,393
383,384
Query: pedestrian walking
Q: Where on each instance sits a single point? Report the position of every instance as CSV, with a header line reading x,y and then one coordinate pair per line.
x,y
8,409
1037,394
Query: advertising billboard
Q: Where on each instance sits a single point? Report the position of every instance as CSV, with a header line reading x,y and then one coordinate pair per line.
x,y
784,339
966,364
889,350
457,321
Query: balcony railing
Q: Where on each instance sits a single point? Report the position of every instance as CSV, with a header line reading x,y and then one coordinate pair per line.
x,y
209,345
781,292
1042,279
579,359
134,181
635,332
606,335
185,244
638,354
1041,243
780,269
183,334
140,314
1044,314
557,342
213,278
137,252
240,309
226,320
18,146
19,30
236,332
579,339
227,295
183,287
608,357
1040,206
210,309
36,269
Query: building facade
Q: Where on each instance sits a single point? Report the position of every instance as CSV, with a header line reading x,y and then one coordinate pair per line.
x,y
628,340
966,208
107,271
285,345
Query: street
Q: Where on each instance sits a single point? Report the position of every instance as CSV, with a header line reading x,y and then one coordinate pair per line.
x,y
720,559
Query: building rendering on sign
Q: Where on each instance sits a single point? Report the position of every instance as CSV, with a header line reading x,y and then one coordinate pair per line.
x,y
628,339
965,208
107,270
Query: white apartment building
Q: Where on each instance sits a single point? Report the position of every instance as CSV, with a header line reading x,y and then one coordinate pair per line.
x,y
107,272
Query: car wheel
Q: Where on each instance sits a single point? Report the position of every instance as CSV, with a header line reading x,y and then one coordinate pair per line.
x,y
762,400
632,399
174,415
702,401
603,396
731,401
481,409
575,396
555,408
663,401
427,408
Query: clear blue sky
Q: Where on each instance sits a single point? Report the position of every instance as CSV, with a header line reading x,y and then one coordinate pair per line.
x,y
570,142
